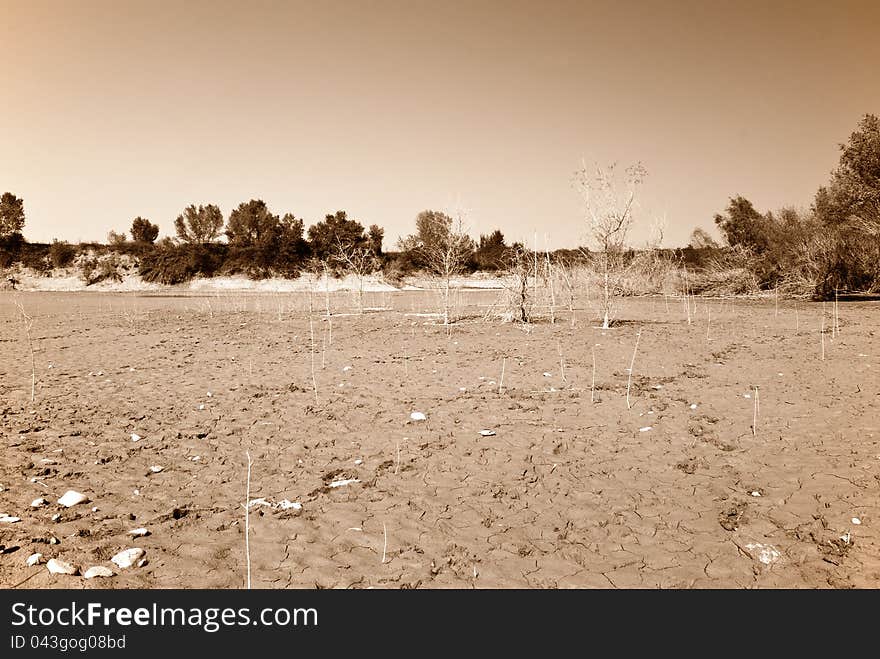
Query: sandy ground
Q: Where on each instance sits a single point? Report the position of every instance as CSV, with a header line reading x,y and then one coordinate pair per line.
x,y
676,490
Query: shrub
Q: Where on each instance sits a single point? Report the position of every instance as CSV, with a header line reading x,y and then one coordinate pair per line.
x,y
180,263
61,253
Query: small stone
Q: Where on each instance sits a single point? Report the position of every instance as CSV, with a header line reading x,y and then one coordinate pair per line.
x,y
156,469
34,559
56,517
343,482
547,374
72,498
38,503
128,557
346,369
359,461
135,437
60,567
418,416
287,505
97,571
755,493
693,406
9,519
487,433
138,533
856,521
645,429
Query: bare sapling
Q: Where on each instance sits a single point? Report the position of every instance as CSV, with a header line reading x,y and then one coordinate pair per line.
x,y
312,357
27,323
755,412
609,202
501,379
561,360
517,284
631,366
247,521
549,271
593,380
359,260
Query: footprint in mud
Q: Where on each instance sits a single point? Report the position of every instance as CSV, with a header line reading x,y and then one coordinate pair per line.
x,y
733,516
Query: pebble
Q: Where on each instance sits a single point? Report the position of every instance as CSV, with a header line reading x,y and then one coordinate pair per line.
x,y
487,433
72,498
359,461
97,571
60,567
345,481
128,557
9,519
139,532
156,469
693,406
856,521
645,429
755,493
135,437
286,505
34,559
37,503
418,416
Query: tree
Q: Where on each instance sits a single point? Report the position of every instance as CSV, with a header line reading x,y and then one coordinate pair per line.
x,y
326,237
700,239
253,225
491,253
609,199
197,226
442,246
375,236
359,260
292,247
11,215
853,195
116,239
144,231
743,226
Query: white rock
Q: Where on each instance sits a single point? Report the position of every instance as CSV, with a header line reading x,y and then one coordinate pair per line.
x,y
72,498
766,554
201,407
142,562
34,559
56,517
346,369
693,406
547,374
9,519
135,437
487,433
287,505
156,469
37,503
645,429
137,533
128,557
359,461
856,521
259,502
755,493
209,394
345,481
417,416
60,567
97,571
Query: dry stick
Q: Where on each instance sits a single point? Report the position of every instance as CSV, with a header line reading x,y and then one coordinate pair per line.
x,y
397,463
822,331
323,349
247,508
755,414
385,545
501,381
631,366
593,382
27,323
312,354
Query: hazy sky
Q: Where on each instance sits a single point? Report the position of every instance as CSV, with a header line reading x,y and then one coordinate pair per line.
x,y
109,110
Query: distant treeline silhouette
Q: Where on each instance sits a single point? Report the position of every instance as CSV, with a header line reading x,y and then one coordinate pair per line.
x,y
832,246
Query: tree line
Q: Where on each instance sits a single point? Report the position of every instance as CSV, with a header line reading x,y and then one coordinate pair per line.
x,y
834,245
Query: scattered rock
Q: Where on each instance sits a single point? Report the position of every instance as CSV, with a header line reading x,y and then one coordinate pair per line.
x,y
487,433
128,557
645,429
9,519
156,469
345,481
287,505
97,571
56,566
135,437
139,533
766,554
856,521
39,503
34,559
72,498
418,416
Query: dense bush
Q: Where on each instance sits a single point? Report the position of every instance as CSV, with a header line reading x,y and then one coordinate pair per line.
x,y
61,253
180,263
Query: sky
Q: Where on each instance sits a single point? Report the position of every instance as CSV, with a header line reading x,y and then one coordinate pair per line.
x,y
112,110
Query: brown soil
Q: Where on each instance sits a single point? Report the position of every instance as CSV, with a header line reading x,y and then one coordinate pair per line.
x,y
567,493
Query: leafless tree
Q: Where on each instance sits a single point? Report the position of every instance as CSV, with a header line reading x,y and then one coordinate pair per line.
x,y
609,198
444,247
358,260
